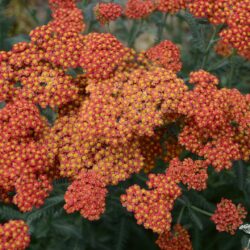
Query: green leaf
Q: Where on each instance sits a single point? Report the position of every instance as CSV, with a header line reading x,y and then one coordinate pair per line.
x,y
51,204
195,219
8,213
122,235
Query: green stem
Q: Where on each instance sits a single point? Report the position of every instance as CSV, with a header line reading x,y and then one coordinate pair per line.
x,y
180,215
108,28
201,211
134,32
195,208
161,27
232,68
211,43
219,65
142,178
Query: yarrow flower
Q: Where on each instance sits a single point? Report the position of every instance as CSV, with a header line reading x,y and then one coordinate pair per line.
x,y
234,14
209,130
189,172
171,6
165,54
228,217
106,12
86,194
179,239
31,191
136,9
101,55
152,207
14,235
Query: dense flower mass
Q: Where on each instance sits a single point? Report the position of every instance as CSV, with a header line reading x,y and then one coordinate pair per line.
x,y
228,217
136,9
171,6
106,12
86,194
14,235
152,207
102,54
189,172
235,14
165,54
215,121
179,239
31,191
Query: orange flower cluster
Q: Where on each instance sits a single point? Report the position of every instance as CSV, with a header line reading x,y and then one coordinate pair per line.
x,y
217,122
23,161
31,191
171,6
106,12
189,172
14,235
86,194
235,14
152,207
102,54
165,54
137,9
228,217
179,239
236,35
34,71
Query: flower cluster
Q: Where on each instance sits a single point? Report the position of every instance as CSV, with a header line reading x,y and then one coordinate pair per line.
x,y
189,172
137,9
24,166
166,54
171,6
228,217
152,207
86,194
102,54
31,191
234,14
179,239
34,71
106,12
217,121
14,235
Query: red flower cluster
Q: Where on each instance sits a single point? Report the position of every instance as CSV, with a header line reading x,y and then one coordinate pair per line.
x,y
106,12
34,71
86,194
179,239
171,6
136,9
14,235
234,13
31,191
236,35
228,217
102,54
152,207
217,121
166,54
23,155
189,172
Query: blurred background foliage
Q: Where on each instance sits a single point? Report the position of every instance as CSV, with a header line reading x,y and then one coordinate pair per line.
x,y
51,227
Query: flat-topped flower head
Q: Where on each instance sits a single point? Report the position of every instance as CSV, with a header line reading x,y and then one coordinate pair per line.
x,y
228,216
